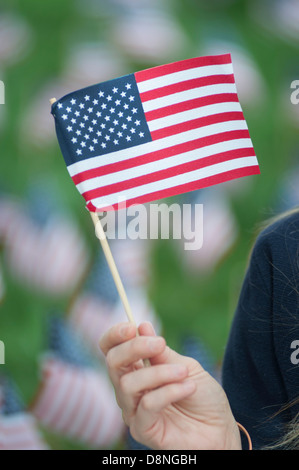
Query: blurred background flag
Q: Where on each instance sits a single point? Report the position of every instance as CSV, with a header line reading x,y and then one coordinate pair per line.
x,y
75,398
18,428
97,307
48,252
182,122
220,231
78,403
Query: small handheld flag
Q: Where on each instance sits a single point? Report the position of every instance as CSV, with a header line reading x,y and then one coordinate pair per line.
x,y
155,133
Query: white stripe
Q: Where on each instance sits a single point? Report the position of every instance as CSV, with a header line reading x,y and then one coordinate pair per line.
x,y
191,114
79,413
72,399
48,389
62,389
160,144
104,413
158,165
21,430
94,418
188,95
183,75
177,180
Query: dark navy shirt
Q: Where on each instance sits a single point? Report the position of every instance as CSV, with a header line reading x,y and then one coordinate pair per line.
x,y
260,373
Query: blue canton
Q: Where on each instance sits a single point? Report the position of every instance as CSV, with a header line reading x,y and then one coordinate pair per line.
x,y
12,402
67,345
101,119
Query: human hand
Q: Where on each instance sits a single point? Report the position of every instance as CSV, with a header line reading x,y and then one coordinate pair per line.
x,y
174,403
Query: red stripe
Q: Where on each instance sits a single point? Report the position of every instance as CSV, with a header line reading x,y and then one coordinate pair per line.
x,y
160,154
191,104
184,188
186,85
161,70
40,404
196,123
164,174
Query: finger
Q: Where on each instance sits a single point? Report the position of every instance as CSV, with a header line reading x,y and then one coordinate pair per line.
x,y
131,351
168,355
133,384
146,329
154,402
117,335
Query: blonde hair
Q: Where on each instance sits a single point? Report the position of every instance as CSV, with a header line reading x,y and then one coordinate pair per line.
x,y
271,220
290,440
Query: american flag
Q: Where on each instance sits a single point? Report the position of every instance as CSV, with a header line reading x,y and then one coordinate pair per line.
x,y
220,231
75,398
10,210
92,316
67,344
100,282
132,259
18,428
156,133
52,258
96,308
78,403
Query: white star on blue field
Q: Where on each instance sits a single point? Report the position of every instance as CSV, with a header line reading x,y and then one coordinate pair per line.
x,y
101,119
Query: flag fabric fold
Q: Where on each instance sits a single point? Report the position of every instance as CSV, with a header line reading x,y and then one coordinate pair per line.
x,y
156,133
